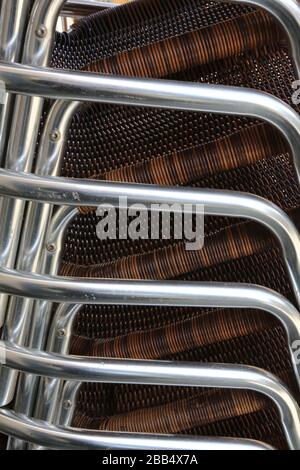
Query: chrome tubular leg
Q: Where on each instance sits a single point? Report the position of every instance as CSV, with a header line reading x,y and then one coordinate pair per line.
x,y
118,292
218,99
66,406
33,241
59,342
21,147
66,403
41,318
64,191
50,398
50,378
14,14
55,401
75,8
42,310
187,375
73,439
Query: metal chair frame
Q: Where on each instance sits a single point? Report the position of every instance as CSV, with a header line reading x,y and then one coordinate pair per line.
x,y
33,290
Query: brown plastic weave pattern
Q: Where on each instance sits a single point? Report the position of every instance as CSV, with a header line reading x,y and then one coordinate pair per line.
x,y
200,41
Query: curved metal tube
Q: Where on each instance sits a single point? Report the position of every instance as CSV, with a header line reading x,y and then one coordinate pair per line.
x,y
119,292
24,400
83,86
49,393
63,320
62,404
50,390
53,393
167,373
13,17
287,12
38,432
219,203
14,14
22,143
39,42
32,246
68,394
250,2
75,8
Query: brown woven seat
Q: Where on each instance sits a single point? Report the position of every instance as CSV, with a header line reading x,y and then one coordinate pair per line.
x,y
210,43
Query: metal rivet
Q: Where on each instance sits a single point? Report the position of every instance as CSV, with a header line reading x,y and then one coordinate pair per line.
x,y
41,31
55,135
67,404
61,333
51,248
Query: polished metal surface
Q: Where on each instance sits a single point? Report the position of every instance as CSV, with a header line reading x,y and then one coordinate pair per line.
x,y
54,393
287,13
66,404
33,258
25,398
32,247
219,203
22,143
64,409
172,374
28,283
119,292
50,390
78,8
13,16
63,321
83,86
54,437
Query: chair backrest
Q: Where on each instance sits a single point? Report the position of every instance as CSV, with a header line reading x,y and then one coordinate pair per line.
x,y
151,285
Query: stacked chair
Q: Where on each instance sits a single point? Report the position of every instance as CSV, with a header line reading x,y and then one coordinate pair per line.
x,y
142,344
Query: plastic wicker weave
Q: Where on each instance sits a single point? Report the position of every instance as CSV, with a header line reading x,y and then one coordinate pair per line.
x,y
209,43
